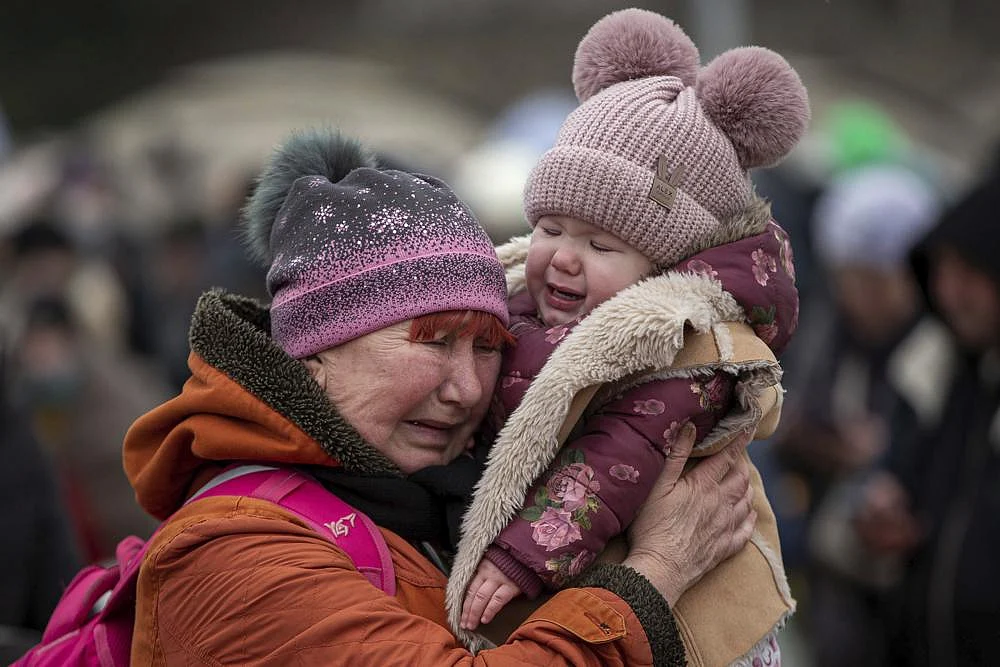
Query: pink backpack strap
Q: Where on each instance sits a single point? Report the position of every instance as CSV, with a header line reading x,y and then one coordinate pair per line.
x,y
320,509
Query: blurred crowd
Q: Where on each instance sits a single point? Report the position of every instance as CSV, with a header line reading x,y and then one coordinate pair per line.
x,y
93,333
885,473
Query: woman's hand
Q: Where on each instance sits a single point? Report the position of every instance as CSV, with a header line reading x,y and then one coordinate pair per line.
x,y
692,522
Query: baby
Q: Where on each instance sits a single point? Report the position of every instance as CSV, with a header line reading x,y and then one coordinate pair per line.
x,y
646,232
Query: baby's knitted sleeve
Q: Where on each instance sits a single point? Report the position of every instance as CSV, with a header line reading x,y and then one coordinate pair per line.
x,y
595,486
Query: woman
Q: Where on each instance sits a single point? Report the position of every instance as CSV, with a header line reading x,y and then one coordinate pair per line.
x,y
373,368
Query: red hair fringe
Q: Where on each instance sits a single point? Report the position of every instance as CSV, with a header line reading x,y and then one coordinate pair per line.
x,y
482,326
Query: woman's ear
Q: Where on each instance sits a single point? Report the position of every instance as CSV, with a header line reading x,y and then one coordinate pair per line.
x,y
314,365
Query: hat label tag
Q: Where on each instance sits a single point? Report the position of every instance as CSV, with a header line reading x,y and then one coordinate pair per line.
x,y
666,184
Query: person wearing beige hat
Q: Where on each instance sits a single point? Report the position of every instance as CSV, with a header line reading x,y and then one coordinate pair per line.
x,y
653,295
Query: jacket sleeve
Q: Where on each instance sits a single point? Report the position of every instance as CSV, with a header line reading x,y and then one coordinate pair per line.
x,y
253,588
597,483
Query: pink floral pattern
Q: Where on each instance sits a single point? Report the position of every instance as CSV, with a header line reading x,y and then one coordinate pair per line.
x,y
711,394
555,335
763,322
765,653
581,561
571,485
785,248
624,473
702,268
670,436
563,504
763,266
649,406
569,565
555,528
512,379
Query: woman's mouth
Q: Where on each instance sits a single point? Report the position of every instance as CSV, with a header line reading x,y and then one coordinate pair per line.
x,y
431,424
432,431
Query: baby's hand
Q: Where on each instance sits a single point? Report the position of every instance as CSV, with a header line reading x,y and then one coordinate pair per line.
x,y
489,591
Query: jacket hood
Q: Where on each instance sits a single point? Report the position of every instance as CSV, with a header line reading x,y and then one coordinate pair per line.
x,y
968,228
246,400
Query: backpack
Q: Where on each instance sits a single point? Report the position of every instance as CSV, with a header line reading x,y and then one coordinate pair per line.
x,y
93,620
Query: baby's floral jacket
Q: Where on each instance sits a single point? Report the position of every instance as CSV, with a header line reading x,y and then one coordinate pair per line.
x,y
543,512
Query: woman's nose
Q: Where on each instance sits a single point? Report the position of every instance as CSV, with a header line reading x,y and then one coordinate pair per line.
x,y
462,385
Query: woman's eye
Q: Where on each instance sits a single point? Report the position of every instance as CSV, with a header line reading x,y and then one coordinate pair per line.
x,y
600,247
487,349
550,231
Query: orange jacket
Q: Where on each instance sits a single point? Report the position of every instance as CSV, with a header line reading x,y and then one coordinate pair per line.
x,y
233,580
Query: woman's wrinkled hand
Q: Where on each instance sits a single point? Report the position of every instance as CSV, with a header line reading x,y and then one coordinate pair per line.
x,y
693,520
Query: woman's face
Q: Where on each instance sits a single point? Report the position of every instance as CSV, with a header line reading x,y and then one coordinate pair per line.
x,y
418,403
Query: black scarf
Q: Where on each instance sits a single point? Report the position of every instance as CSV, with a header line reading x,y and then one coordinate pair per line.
x,y
427,506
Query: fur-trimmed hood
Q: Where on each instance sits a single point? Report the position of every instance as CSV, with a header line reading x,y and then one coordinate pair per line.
x,y
631,338
245,400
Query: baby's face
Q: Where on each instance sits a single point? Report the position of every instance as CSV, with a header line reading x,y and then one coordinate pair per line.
x,y
574,266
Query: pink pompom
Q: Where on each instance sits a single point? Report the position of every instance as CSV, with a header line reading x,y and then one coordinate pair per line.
x,y
755,97
632,44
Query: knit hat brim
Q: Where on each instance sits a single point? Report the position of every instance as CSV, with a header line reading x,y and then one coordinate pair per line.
x,y
613,193
336,312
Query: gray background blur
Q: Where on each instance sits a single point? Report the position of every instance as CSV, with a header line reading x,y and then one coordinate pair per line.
x,y
136,128
218,83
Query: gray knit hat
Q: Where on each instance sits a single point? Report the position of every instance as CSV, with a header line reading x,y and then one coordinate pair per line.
x,y
659,149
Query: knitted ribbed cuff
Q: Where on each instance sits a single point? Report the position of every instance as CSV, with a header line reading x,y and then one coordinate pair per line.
x,y
649,606
525,578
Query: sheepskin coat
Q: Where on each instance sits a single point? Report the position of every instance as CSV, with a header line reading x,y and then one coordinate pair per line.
x,y
542,512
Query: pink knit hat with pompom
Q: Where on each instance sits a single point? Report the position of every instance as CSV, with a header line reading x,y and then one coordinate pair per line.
x,y
659,149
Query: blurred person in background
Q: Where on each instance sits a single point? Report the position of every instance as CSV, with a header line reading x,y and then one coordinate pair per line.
x,y
47,261
79,399
39,555
863,393
183,259
491,177
228,263
39,263
175,273
852,134
85,206
936,505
